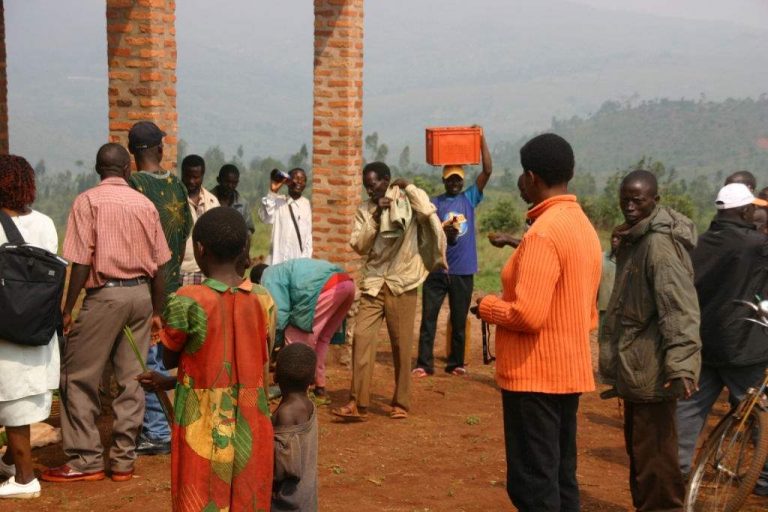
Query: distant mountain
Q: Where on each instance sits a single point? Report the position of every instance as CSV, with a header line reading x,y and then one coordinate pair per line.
x,y
694,137
245,70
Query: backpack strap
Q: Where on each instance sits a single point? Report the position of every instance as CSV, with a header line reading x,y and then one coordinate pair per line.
x,y
296,227
11,231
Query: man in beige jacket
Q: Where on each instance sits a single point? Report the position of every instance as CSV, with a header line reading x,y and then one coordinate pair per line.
x,y
401,239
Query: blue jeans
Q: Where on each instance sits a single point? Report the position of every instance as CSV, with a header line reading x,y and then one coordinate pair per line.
x,y
155,425
692,413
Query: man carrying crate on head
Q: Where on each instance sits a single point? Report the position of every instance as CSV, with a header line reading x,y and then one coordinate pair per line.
x,y
456,209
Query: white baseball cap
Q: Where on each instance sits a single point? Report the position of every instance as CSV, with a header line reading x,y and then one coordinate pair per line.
x,y
736,195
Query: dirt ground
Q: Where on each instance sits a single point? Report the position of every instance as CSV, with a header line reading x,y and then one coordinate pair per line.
x,y
447,456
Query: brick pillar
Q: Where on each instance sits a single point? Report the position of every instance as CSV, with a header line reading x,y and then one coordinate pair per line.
x,y
3,87
141,51
337,137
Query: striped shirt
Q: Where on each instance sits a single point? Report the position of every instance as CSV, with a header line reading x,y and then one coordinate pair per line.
x,y
117,231
548,304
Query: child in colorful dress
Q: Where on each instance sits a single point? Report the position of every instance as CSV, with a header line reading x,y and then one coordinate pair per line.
x,y
295,421
218,333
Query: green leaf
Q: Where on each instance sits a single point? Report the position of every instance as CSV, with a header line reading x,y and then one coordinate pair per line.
x,y
227,404
264,403
243,443
219,440
210,507
187,406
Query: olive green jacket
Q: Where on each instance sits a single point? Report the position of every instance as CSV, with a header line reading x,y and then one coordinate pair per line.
x,y
651,331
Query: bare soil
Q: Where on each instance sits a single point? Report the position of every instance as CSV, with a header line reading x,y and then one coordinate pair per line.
x,y
447,456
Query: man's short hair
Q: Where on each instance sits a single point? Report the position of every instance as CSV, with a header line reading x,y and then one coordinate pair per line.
x,y
380,168
745,177
295,170
550,157
228,169
295,368
645,177
222,232
257,271
112,157
191,161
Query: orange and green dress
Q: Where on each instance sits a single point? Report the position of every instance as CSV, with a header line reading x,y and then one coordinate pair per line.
x,y
222,439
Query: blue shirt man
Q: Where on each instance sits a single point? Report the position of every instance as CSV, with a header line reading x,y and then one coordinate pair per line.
x,y
456,209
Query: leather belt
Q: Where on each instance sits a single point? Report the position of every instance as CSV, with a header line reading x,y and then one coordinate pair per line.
x,y
125,283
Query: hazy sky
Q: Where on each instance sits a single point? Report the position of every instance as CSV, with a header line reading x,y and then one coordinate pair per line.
x,y
746,12
245,67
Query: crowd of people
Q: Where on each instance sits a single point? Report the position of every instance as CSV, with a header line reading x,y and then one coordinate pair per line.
x,y
162,265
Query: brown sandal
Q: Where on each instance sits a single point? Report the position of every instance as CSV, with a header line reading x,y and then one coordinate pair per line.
x,y
398,413
349,412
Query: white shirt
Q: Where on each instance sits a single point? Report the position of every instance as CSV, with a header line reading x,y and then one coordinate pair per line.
x,y
27,371
206,201
274,209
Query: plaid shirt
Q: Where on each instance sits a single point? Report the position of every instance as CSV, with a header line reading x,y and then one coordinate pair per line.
x,y
116,231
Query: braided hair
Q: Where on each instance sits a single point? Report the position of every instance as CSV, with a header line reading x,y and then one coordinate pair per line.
x,y
17,183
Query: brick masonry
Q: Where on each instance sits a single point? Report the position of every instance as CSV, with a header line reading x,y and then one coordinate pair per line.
x,y
337,138
141,52
3,87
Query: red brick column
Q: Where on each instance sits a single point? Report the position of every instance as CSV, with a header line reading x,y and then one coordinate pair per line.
x,y
3,87
141,49
337,141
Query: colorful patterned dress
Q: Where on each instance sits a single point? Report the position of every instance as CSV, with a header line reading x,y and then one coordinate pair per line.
x,y
169,196
221,448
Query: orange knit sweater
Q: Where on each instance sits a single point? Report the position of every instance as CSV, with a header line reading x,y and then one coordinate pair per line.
x,y
548,303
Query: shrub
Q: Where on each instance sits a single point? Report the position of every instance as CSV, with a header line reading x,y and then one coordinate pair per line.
x,y
502,217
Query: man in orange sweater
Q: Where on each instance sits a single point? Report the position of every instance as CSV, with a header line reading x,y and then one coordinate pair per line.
x,y
544,316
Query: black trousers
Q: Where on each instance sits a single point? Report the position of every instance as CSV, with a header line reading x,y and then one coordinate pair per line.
x,y
540,437
459,291
650,434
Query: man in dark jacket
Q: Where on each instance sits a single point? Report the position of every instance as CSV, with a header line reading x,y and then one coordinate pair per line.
x,y
730,264
650,346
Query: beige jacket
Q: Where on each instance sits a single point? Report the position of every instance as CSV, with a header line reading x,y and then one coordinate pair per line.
x,y
207,201
402,263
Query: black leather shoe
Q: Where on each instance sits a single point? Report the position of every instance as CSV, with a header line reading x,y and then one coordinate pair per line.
x,y
150,447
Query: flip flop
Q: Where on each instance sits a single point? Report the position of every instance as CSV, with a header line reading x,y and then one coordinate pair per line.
x,y
398,413
459,371
419,373
350,413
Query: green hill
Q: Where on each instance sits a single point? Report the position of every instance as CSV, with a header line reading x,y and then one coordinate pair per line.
x,y
693,137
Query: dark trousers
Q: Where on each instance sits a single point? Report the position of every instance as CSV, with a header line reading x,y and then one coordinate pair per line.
x,y
459,291
650,434
540,438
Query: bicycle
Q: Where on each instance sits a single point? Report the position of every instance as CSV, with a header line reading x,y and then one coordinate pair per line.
x,y
730,461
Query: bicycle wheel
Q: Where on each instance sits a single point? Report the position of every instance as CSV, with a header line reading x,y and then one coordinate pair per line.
x,y
728,464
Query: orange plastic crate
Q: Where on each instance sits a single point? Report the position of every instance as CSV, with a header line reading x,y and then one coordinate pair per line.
x,y
453,145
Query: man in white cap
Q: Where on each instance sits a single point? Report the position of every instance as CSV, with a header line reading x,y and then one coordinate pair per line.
x,y
729,264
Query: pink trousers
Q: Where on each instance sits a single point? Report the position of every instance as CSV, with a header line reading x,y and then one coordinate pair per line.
x,y
332,306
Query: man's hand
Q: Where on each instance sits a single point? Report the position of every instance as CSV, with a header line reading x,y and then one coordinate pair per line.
x,y
502,239
66,317
475,310
682,387
153,381
451,233
157,327
400,182
276,180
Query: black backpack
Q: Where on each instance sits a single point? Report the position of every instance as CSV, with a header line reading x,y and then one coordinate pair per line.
x,y
31,287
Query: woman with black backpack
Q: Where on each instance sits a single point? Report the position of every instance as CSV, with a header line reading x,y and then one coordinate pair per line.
x,y
28,373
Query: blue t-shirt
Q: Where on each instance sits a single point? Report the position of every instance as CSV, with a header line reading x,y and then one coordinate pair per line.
x,y
462,257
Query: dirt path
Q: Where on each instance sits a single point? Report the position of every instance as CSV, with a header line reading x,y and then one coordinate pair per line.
x,y
448,456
